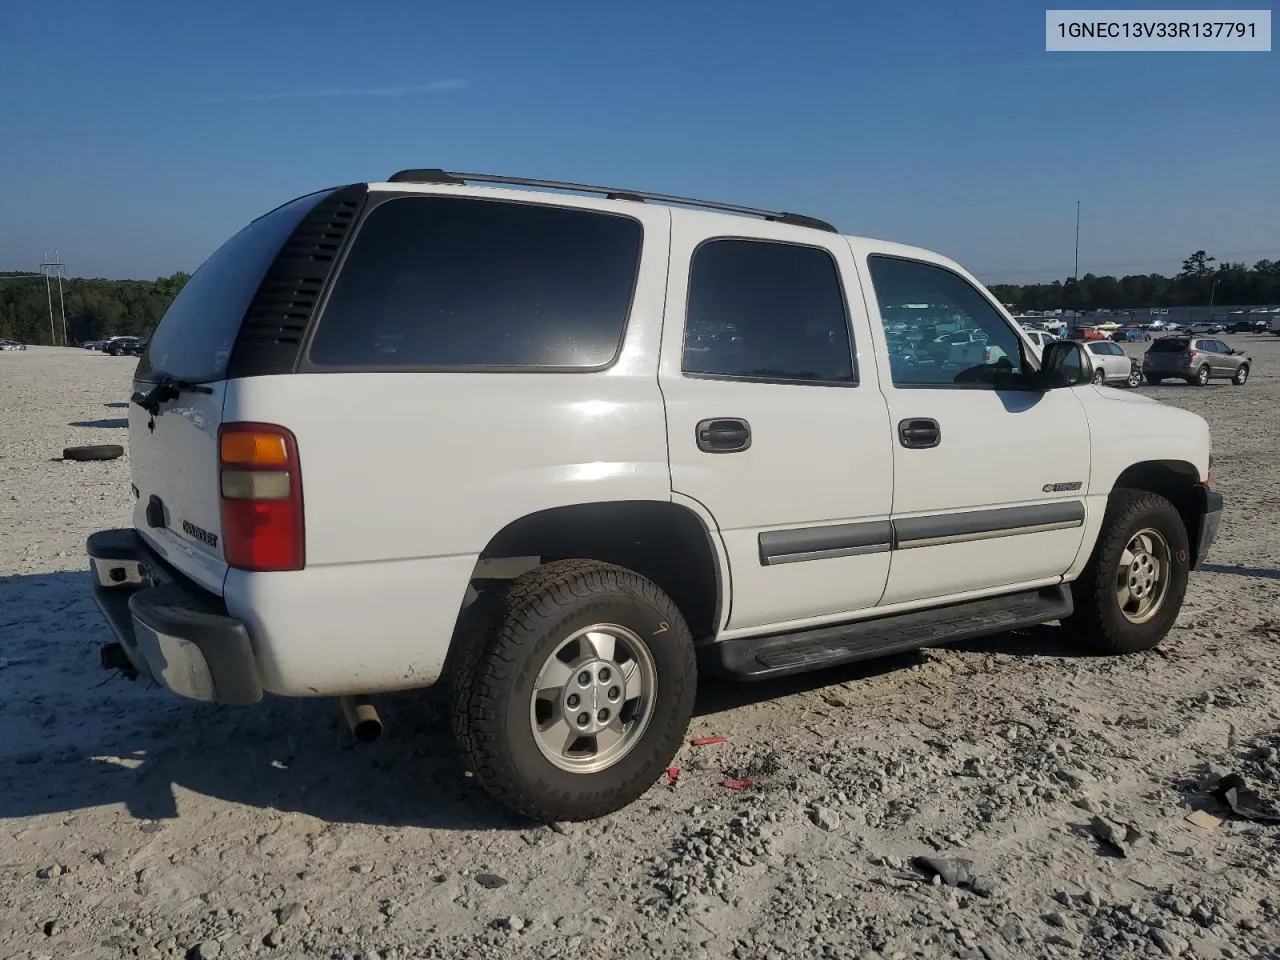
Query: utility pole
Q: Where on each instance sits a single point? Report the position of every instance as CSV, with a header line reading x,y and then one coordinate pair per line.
x,y
53,337
1077,267
54,268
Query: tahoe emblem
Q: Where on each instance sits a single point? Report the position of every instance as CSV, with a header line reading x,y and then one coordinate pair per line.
x,y
204,536
1062,487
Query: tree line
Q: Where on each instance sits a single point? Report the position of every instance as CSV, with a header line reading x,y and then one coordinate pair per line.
x,y
1202,282
95,309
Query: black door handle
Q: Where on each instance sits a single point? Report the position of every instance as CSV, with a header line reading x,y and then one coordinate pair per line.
x,y
723,435
919,433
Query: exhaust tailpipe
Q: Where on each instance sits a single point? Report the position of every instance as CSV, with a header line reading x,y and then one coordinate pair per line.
x,y
362,718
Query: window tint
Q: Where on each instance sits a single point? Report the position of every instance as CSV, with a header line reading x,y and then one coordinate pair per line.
x,y
454,281
771,311
940,330
194,338
1170,345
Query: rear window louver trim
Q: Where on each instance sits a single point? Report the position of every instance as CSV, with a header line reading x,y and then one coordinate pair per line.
x,y
275,324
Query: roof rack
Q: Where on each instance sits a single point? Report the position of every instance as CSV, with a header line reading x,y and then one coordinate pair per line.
x,y
435,175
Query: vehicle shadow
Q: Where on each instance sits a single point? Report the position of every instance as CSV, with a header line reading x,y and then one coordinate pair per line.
x,y
1263,572
116,406
78,737
110,423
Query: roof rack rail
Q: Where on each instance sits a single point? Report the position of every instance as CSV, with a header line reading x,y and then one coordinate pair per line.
x,y
436,175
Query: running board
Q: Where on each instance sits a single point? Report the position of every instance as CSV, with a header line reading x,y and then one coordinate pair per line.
x,y
776,655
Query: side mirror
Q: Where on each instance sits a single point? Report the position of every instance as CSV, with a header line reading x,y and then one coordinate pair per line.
x,y
1064,363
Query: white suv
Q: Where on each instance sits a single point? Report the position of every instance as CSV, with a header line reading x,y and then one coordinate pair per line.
x,y
564,447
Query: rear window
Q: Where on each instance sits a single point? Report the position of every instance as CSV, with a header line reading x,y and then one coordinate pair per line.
x,y
1170,345
459,282
194,338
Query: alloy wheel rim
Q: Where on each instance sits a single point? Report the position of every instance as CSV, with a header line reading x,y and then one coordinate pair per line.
x,y
1142,577
593,698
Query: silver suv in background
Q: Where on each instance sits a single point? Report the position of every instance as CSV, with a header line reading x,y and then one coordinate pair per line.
x,y
1196,360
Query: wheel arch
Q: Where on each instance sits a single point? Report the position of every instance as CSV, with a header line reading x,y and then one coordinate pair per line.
x,y
1178,481
665,542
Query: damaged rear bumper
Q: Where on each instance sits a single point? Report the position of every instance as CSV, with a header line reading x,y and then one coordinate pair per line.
x,y
168,630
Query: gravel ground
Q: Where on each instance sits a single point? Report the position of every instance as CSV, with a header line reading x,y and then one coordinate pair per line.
x,y
138,824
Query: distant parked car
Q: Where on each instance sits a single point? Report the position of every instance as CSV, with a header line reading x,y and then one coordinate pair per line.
x,y
1040,337
1196,360
1085,334
1126,334
125,346
94,344
12,345
1245,325
1110,363
1207,326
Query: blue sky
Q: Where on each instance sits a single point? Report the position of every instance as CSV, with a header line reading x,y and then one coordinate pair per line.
x,y
138,135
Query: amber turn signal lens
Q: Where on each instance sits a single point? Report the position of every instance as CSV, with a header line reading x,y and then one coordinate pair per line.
x,y
254,449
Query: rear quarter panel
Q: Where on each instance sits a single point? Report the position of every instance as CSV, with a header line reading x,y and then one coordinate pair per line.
x,y
406,476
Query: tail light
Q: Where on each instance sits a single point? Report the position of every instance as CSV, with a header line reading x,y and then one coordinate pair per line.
x,y
260,481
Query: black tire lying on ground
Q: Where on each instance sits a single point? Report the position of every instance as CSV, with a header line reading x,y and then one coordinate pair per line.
x,y
95,451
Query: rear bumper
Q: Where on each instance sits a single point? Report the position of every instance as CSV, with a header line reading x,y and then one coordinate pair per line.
x,y
1210,520
176,634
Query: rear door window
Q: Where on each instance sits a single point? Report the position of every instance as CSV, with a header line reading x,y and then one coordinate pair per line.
x,y
762,310
194,338
458,282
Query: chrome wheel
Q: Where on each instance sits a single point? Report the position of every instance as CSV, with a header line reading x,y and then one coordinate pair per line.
x,y
1142,579
1135,378
593,698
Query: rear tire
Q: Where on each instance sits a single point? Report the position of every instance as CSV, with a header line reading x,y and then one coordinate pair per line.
x,y
519,697
1154,381
1132,589
1202,375
1241,376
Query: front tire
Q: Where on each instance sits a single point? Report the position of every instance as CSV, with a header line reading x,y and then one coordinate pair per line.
x,y
1132,589
1135,378
576,691
1099,377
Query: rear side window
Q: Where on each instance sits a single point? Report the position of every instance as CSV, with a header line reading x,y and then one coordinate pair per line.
x,y
459,282
1170,345
763,310
194,338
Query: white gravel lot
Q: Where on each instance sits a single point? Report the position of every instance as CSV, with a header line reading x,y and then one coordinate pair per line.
x,y
137,824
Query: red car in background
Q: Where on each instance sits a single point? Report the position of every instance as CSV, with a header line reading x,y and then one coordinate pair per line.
x,y
1085,333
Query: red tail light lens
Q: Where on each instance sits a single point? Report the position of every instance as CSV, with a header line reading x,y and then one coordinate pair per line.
x,y
260,483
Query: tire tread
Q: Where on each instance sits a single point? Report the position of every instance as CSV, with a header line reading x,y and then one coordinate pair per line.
x,y
500,626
